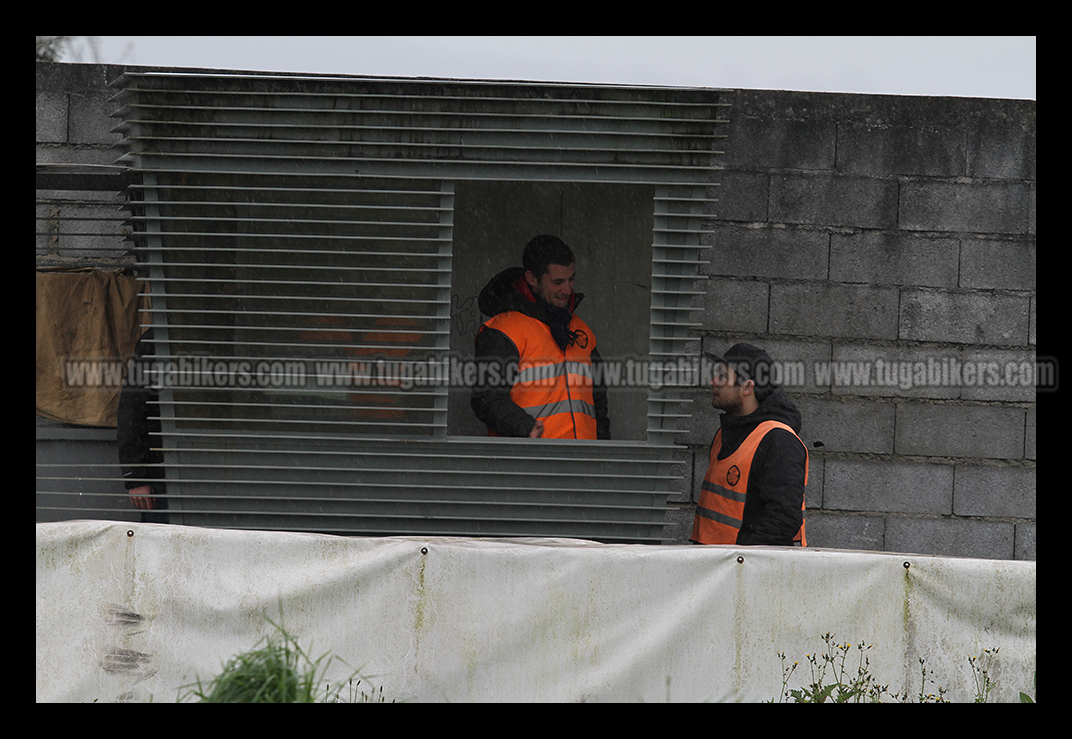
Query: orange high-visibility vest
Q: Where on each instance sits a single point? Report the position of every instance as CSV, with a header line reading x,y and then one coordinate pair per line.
x,y
722,497
552,385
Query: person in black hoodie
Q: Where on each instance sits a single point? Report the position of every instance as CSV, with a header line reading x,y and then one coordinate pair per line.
x,y
753,492
538,366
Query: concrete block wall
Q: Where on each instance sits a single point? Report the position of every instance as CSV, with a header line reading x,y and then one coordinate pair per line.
x,y
78,228
895,234
849,229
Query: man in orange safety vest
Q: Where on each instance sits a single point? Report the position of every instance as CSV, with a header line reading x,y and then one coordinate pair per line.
x,y
753,492
538,373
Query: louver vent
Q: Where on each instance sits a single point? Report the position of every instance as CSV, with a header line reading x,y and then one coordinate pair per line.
x,y
298,234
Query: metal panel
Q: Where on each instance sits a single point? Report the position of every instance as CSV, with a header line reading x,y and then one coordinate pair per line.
x,y
472,487
420,129
298,235
675,258
281,321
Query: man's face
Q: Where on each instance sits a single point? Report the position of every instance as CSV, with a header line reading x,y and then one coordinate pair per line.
x,y
725,393
555,286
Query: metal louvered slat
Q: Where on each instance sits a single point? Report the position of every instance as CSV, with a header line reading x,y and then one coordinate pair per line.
x,y
679,213
308,223
421,129
455,487
250,290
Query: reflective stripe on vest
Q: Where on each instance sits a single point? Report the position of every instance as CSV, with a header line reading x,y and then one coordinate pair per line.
x,y
552,385
722,496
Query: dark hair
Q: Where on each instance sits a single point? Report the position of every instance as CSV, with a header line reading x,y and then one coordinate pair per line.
x,y
763,392
544,250
749,363
756,371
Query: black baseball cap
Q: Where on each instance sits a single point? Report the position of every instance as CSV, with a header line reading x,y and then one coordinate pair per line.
x,y
749,362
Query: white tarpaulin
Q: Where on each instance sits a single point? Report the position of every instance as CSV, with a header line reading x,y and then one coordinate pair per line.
x,y
131,612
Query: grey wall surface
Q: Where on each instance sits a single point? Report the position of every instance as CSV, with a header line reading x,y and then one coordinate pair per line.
x,y
851,229
900,232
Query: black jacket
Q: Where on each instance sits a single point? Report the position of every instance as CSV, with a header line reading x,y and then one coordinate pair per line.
x,y
772,508
137,425
490,399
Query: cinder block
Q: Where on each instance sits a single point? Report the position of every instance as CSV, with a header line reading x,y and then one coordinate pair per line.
x,y
995,492
832,531
702,422
74,154
795,363
678,524
813,493
966,207
742,196
796,254
844,311
1002,374
894,259
826,199
887,486
91,121
895,371
1031,321
1025,541
997,265
1032,210
775,140
701,460
1030,437
82,79
950,537
1004,146
901,150
51,117
735,305
968,318
845,425
681,488
948,430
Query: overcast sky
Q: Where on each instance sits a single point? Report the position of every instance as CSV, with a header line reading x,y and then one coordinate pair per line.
x,y
966,66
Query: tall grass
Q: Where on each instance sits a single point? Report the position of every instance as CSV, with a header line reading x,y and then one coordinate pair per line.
x,y
276,670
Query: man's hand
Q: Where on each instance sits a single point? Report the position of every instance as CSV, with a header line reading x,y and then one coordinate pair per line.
x,y
141,497
537,430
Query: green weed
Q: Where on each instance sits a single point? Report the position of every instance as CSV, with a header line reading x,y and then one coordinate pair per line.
x,y
276,670
833,681
981,666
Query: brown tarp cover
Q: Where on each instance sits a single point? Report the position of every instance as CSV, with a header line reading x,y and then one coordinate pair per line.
x,y
87,325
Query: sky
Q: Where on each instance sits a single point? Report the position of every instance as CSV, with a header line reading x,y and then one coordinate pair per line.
x,y
960,66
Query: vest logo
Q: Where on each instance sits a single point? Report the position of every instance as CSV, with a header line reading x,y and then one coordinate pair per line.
x,y
580,338
733,475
